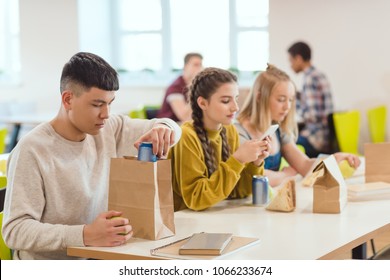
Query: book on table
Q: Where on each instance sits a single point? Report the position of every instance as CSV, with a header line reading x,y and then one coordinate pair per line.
x,y
204,243
229,245
369,191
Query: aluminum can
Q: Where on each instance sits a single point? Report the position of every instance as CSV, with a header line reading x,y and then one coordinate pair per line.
x,y
145,152
260,190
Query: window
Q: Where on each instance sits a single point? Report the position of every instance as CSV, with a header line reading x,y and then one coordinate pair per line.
x,y
251,30
140,35
149,38
9,42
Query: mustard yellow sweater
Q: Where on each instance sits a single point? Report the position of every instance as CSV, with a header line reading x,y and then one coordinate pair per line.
x,y
192,186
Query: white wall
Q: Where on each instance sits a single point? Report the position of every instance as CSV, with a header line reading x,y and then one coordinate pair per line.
x,y
48,37
94,27
349,44
349,41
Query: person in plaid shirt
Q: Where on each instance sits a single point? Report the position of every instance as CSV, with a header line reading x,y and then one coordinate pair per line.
x,y
314,102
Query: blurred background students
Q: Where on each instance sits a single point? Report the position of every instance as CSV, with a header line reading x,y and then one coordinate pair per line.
x,y
272,100
175,105
208,163
314,102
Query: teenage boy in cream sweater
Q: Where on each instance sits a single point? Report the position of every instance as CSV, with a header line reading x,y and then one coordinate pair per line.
x,y
57,192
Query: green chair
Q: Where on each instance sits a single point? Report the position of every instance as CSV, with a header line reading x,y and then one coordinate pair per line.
x,y
3,135
138,113
151,111
284,163
347,127
377,123
5,252
3,167
146,112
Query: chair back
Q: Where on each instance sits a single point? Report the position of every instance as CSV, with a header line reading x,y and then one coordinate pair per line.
x,y
138,113
377,123
146,112
347,127
3,135
151,111
5,252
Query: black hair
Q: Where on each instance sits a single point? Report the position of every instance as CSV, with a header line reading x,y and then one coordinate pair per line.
x,y
89,70
302,49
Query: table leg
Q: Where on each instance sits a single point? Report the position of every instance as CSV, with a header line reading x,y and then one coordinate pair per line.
x,y
360,252
14,137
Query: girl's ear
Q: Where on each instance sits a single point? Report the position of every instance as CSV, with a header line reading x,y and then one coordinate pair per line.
x,y
258,97
202,103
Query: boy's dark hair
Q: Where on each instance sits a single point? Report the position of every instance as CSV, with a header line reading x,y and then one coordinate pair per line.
x,y
88,70
191,55
302,49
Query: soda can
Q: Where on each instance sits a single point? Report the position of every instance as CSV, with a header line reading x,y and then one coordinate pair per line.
x,y
260,190
145,152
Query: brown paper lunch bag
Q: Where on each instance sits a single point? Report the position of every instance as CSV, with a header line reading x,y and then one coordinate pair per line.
x,y
329,189
143,192
377,165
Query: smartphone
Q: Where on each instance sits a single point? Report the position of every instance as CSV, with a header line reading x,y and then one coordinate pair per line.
x,y
270,131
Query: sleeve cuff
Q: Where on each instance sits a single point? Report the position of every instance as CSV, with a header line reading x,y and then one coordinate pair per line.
x,y
234,164
74,236
255,170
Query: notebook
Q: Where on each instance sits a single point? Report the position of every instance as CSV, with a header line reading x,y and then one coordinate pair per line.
x,y
171,250
369,191
204,243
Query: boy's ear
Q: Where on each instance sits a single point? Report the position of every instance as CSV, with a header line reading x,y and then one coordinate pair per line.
x,y
67,97
202,103
299,58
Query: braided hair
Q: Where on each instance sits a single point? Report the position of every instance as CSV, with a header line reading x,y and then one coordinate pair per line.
x,y
205,84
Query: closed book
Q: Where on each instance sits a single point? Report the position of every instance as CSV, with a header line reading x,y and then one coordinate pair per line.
x,y
369,191
206,244
171,250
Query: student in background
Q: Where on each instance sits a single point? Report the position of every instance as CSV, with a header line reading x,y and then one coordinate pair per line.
x,y
208,163
57,192
175,105
314,103
272,100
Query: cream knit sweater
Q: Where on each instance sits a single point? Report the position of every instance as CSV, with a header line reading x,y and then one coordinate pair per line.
x,y
56,186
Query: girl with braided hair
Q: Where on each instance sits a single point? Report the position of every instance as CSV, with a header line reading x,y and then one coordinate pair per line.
x,y
272,100
208,163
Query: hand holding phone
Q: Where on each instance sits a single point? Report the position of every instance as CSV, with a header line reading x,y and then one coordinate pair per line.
x,y
270,131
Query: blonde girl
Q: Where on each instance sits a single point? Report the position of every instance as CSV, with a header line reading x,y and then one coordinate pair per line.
x,y
272,100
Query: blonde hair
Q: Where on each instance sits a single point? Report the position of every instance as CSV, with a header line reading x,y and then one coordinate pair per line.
x,y
256,107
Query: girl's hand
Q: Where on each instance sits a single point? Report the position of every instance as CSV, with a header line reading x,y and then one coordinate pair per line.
x,y
253,151
353,160
289,171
